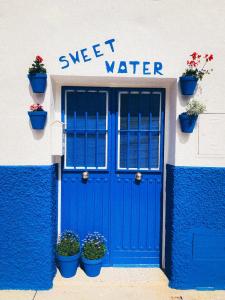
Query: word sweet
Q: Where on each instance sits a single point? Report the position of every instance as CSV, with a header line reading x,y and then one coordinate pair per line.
x,y
86,54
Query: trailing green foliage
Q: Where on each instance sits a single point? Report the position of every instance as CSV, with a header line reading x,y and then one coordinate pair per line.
x,y
94,246
69,244
194,108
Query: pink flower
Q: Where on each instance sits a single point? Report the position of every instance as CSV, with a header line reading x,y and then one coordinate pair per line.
x,y
35,107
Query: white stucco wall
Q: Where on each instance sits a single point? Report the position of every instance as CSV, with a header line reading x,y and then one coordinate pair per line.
x,y
150,30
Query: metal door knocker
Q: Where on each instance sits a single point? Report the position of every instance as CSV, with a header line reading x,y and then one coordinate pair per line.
x,y
85,175
138,176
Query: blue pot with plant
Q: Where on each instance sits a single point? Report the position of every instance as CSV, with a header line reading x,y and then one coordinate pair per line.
x,y
188,119
196,69
188,85
68,254
37,75
37,116
93,251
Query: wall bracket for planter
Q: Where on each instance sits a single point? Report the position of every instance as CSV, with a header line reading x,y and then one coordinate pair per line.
x,y
38,82
38,119
188,85
187,122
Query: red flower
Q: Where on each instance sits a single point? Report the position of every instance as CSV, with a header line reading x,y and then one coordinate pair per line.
x,y
210,57
39,58
194,55
192,63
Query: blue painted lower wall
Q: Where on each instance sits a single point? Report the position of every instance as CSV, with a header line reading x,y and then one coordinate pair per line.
x,y
28,201
195,227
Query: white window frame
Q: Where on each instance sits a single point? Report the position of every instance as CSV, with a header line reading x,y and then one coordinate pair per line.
x,y
118,131
106,134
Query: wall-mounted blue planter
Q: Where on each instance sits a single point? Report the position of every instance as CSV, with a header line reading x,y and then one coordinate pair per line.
x,y
92,267
188,85
38,82
187,122
38,119
68,265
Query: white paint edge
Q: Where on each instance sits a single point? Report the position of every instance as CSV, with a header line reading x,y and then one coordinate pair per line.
x,y
59,198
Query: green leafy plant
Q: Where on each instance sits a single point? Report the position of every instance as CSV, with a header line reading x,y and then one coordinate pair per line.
x,y
194,108
37,66
94,246
196,67
69,244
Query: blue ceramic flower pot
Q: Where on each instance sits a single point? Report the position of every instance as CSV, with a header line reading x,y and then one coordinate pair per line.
x,y
187,122
188,85
68,265
91,267
38,82
38,119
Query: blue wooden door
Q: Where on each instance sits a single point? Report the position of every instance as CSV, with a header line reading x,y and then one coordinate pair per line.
x,y
113,134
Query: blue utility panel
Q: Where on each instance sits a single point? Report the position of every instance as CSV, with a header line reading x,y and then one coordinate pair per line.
x,y
113,134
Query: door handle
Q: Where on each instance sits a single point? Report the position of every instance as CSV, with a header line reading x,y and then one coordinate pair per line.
x,y
85,175
138,176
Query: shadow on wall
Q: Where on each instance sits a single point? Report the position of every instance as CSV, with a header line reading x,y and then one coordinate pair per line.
x,y
37,98
37,134
184,100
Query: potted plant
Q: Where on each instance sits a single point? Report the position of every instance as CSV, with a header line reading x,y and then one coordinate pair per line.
x,y
93,251
37,75
193,73
188,119
68,254
37,116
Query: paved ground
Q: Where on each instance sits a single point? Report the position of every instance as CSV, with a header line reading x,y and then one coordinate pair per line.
x,y
114,284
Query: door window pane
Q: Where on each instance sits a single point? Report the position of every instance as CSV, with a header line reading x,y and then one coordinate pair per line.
x,y
139,130
86,120
155,151
79,157
123,150
133,148
144,150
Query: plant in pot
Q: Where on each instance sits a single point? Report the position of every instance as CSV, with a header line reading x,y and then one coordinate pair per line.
x,y
93,251
68,254
194,72
188,119
37,75
37,116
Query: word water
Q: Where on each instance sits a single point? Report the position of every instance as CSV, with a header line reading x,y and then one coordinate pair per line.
x,y
86,54
134,67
